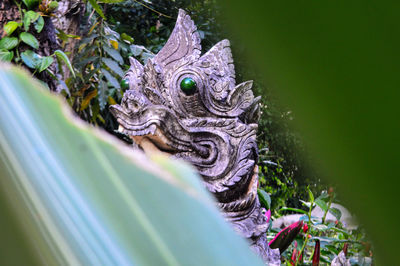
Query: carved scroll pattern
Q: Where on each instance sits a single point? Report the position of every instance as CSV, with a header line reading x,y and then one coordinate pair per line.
x,y
214,128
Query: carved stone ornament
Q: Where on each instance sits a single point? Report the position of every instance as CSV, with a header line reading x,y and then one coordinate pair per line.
x,y
189,106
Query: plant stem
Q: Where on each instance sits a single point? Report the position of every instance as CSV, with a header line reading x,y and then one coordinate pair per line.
x,y
306,240
19,8
152,9
327,210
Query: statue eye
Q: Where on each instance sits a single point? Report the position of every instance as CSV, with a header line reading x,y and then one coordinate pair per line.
x,y
188,86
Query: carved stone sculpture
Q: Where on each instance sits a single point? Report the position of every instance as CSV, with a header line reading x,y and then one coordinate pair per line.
x,y
188,105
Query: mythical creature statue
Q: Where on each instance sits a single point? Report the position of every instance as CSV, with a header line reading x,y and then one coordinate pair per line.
x,y
188,105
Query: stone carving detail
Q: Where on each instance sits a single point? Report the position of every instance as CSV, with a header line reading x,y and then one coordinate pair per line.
x,y
188,105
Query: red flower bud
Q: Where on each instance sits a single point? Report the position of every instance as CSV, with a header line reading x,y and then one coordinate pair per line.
x,y
305,228
345,247
286,236
315,260
294,254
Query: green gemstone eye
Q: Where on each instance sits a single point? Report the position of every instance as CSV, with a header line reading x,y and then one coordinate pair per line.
x,y
124,84
188,86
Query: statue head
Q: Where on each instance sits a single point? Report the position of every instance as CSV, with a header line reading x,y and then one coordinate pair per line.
x,y
188,104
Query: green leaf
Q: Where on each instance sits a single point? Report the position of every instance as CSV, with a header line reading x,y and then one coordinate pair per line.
x,y
324,196
114,54
29,39
294,210
307,204
264,198
53,6
113,66
110,78
310,194
335,212
127,38
321,227
138,49
111,1
32,15
97,8
45,63
83,198
39,24
29,17
31,4
31,59
322,204
8,43
61,56
103,88
6,56
10,27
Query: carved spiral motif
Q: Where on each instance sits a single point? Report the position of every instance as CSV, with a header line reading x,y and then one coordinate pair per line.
x,y
210,122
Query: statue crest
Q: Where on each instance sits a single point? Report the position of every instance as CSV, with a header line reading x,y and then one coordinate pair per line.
x,y
189,106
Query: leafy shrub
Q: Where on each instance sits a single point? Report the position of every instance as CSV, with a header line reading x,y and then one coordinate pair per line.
x,y
330,238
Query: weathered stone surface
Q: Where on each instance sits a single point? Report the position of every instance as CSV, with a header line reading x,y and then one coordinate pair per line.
x,y
340,260
349,222
212,126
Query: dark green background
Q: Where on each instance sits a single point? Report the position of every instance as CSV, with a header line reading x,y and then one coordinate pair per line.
x,y
336,63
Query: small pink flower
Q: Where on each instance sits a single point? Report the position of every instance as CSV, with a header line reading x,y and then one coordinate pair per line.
x,y
305,228
268,215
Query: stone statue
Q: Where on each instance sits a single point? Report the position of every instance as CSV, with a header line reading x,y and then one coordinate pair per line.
x,y
188,105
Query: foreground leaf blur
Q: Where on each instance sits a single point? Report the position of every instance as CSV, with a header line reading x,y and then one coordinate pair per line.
x,y
81,197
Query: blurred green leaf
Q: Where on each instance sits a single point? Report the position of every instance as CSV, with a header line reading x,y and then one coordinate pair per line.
x,y
103,88
8,43
53,6
31,59
114,54
324,196
87,99
336,64
310,194
45,62
110,78
10,27
127,38
29,17
322,204
6,55
111,1
62,57
294,210
29,39
336,212
113,66
84,198
30,4
97,8
264,198
39,24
